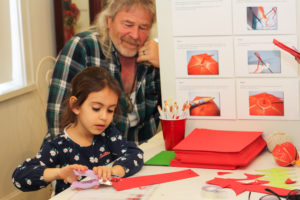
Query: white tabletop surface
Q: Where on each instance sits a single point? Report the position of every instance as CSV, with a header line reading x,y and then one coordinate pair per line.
x,y
191,188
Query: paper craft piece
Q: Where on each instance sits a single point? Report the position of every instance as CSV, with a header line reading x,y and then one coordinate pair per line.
x,y
278,176
223,173
286,48
285,154
239,185
93,181
162,158
133,182
289,181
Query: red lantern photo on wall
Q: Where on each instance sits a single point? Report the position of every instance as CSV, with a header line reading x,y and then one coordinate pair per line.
x,y
266,103
204,106
203,63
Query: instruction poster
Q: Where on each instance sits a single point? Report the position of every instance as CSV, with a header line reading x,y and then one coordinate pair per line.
x,y
226,64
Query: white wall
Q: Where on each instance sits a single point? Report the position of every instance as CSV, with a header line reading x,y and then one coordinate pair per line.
x,y
22,121
166,52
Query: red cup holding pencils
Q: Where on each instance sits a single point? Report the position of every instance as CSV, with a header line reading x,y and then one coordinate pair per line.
x,y
173,131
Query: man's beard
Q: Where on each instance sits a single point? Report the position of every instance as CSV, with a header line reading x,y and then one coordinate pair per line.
x,y
125,51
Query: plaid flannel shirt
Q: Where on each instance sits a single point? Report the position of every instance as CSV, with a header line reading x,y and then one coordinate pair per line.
x,y
84,50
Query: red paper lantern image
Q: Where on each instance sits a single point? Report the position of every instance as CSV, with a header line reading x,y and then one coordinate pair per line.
x,y
203,64
265,104
285,154
205,109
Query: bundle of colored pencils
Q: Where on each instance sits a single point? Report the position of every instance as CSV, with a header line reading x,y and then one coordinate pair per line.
x,y
173,111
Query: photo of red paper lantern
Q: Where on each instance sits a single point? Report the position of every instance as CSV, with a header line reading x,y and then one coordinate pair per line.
x,y
208,108
203,64
285,154
266,104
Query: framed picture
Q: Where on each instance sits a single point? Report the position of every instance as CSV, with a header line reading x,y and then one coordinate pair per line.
x,y
73,16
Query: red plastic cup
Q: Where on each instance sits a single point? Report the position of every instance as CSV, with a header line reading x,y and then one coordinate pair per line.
x,y
173,131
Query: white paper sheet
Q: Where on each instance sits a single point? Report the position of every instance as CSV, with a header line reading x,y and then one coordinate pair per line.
x,y
201,17
262,99
279,62
264,17
220,48
221,90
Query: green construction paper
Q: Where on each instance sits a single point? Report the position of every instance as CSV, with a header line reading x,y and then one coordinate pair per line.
x,y
278,176
162,158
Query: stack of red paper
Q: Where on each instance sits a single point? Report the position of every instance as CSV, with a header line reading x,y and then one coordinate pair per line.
x,y
216,149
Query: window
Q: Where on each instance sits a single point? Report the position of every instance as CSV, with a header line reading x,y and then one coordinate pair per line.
x,y
13,68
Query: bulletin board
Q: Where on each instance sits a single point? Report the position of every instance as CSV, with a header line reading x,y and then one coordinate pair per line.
x,y
224,49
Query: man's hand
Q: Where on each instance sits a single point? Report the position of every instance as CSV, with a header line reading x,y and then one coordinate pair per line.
x,y
149,53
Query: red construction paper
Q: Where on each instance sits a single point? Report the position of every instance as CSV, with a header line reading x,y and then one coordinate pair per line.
x,y
223,173
289,181
217,140
217,149
134,182
239,187
286,48
176,163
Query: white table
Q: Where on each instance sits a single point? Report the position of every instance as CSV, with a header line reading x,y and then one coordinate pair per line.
x,y
191,188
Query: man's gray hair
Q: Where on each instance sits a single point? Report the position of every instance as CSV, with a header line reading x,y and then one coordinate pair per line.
x,y
111,9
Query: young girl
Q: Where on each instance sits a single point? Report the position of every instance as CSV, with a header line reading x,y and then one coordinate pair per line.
x,y
89,140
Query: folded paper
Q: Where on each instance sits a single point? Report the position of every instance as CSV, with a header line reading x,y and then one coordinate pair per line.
x,y
218,149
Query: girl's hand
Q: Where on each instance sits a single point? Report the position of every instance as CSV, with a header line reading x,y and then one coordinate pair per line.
x,y
149,53
297,59
67,174
103,172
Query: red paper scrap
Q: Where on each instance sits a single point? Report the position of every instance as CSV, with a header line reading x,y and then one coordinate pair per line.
x,y
289,181
253,176
134,182
223,173
239,187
